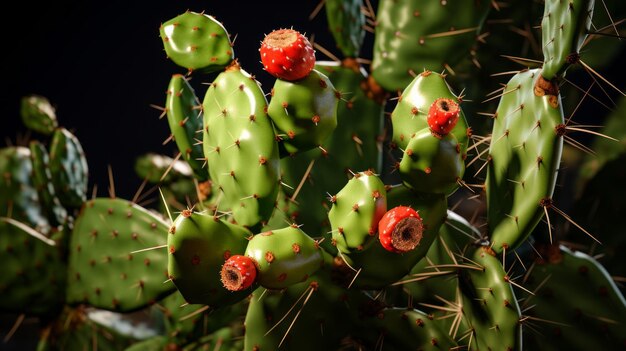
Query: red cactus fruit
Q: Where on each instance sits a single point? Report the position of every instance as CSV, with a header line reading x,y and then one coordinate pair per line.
x,y
238,273
287,54
443,115
400,230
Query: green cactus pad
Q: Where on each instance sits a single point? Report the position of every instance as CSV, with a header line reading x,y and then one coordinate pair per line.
x,y
455,237
356,210
184,114
38,114
322,322
564,28
577,298
153,166
345,22
197,42
69,168
411,112
432,164
198,244
490,307
416,35
103,270
240,146
304,111
19,198
34,270
354,145
523,158
284,257
75,330
406,329
42,180
379,267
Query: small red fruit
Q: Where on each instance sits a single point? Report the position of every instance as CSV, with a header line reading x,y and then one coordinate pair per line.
x,y
238,273
443,115
287,54
400,230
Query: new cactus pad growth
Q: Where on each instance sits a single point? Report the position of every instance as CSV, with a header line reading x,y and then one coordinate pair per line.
x,y
400,229
287,54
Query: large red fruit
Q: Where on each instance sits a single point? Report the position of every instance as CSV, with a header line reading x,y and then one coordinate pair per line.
x,y
400,230
287,54
443,115
238,273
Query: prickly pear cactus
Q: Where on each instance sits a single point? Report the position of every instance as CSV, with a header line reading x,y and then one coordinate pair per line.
x,y
523,160
184,114
34,270
284,257
413,36
38,114
68,166
238,134
577,297
345,22
198,244
197,42
304,112
564,27
115,235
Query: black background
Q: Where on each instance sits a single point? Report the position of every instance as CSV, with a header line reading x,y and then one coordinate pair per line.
x,y
102,64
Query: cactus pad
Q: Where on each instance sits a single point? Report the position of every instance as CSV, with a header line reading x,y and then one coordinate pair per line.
x,y
197,42
523,158
69,168
103,270
345,23
38,114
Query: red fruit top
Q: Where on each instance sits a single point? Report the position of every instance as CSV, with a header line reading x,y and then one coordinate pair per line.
x,y
238,273
287,54
400,230
442,116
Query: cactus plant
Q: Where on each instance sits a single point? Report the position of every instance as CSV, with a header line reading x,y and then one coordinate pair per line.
x,y
313,222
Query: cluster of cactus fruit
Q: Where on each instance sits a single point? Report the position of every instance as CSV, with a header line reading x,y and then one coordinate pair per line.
x,y
313,222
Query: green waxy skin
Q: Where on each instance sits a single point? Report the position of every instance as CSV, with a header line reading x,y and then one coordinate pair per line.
x,y
68,167
490,306
432,164
564,28
523,158
284,257
379,267
38,114
304,112
184,114
454,238
240,146
197,42
198,244
103,270
411,36
345,23
42,180
19,198
406,329
34,270
321,325
410,114
356,210
353,145
579,298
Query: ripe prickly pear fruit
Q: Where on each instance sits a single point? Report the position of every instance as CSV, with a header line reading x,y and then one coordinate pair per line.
x,y
443,115
287,54
400,230
238,273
